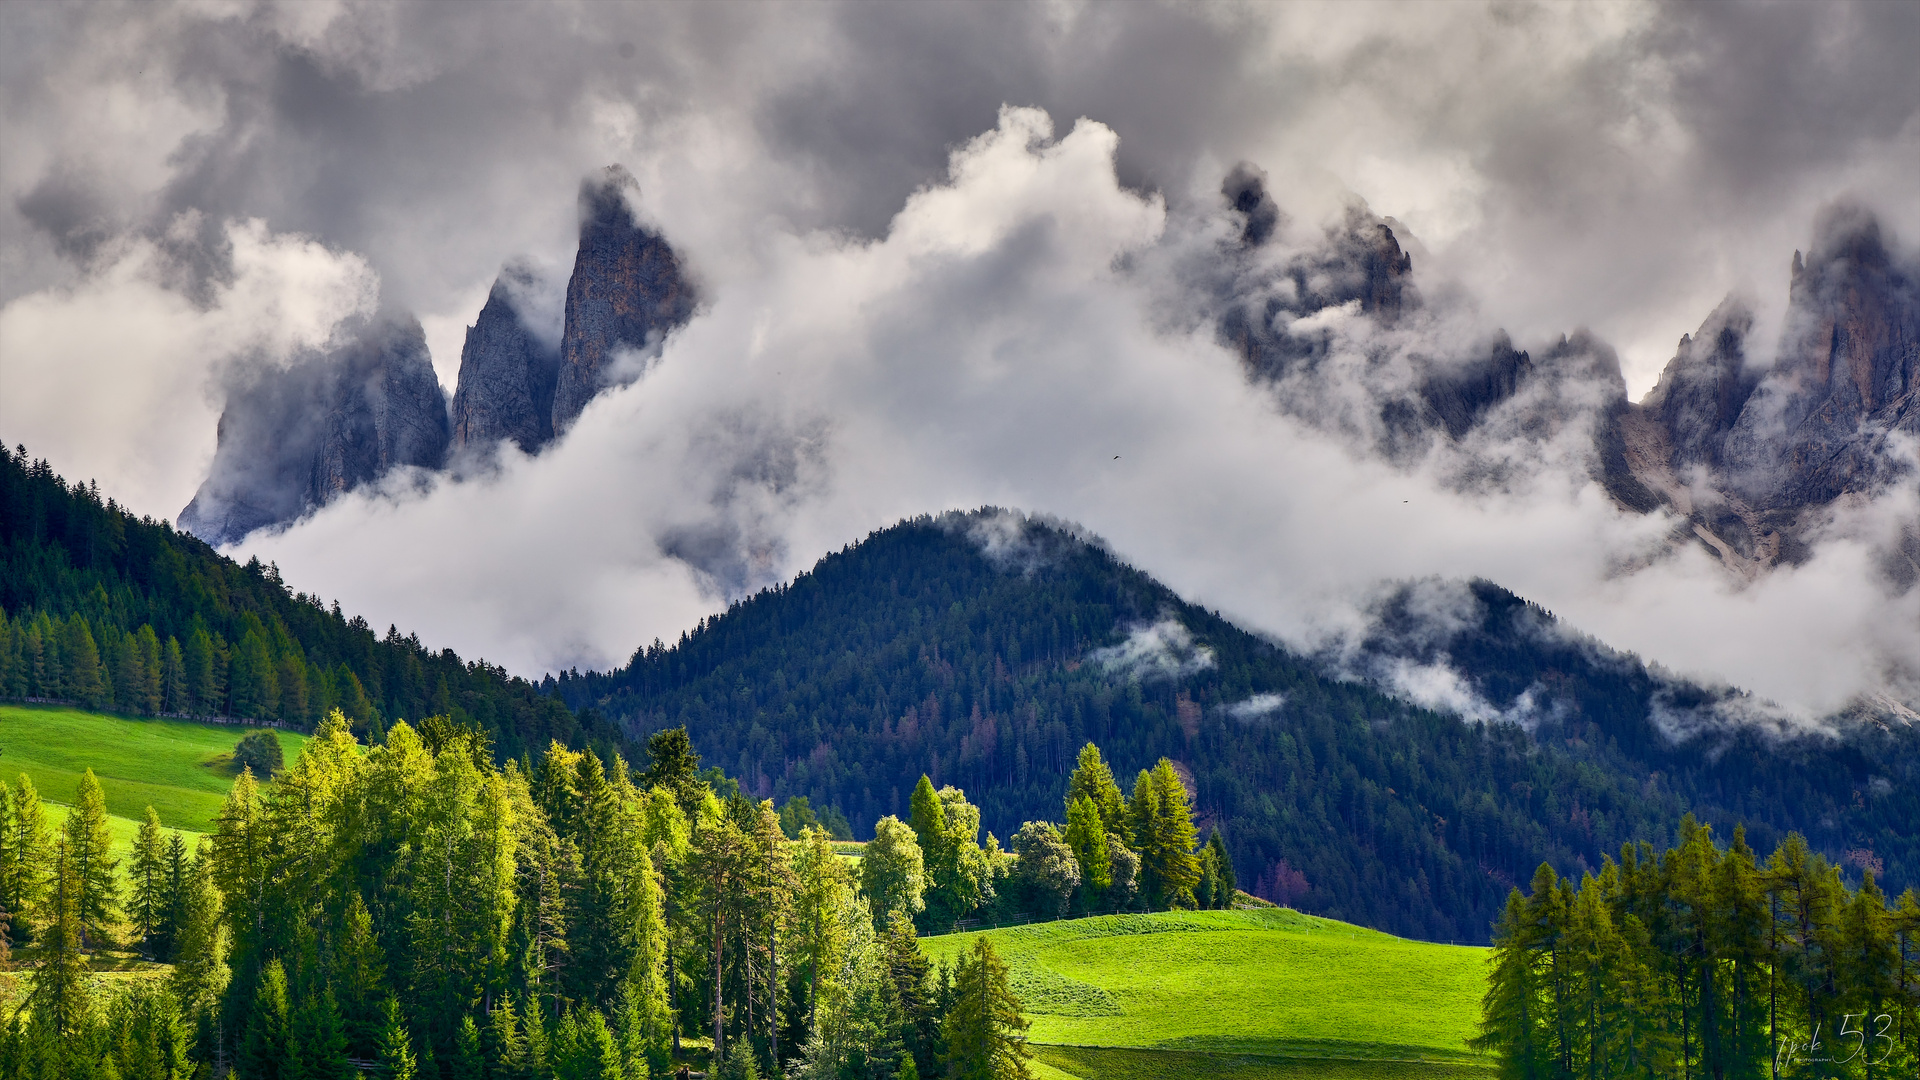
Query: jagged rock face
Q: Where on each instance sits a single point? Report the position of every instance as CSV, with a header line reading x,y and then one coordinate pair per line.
x,y
1746,455
507,379
296,437
1360,260
1704,387
627,291
1816,428
1460,397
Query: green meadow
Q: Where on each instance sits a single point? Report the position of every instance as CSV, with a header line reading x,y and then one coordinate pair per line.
x,y
182,769
1267,994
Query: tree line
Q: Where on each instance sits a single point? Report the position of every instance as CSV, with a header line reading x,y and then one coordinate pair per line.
x,y
1703,961
419,908
111,611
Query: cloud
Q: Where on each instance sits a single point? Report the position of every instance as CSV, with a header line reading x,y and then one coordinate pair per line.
x,y
116,373
1158,650
923,301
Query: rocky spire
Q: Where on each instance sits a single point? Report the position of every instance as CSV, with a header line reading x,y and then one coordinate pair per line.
x,y
627,292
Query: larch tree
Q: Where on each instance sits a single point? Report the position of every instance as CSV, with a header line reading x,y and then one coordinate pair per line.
x,y
90,850
985,1031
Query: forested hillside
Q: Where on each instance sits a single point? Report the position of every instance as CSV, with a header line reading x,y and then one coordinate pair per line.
x,y
110,611
985,650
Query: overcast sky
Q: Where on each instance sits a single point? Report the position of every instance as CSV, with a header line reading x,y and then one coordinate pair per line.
x,y
913,226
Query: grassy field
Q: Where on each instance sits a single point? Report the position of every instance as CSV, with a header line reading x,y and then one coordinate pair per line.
x,y
1268,994
181,769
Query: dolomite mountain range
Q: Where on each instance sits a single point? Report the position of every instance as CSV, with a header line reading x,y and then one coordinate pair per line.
x,y
1753,457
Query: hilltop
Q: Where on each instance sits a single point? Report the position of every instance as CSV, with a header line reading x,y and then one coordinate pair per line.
x,y
984,649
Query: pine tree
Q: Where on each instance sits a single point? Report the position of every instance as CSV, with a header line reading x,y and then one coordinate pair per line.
x,y
90,846
174,871
985,1033
149,880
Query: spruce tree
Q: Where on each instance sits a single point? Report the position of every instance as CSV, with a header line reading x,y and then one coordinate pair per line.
x,y
397,1061
149,881
504,1045
27,870
1226,886
199,951
266,1051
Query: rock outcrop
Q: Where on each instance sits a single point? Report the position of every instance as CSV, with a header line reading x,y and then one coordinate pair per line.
x,y
507,376
295,437
1752,457
627,292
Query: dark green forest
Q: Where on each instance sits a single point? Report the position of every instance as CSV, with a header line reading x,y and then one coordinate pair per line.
x,y
968,649
1706,961
126,614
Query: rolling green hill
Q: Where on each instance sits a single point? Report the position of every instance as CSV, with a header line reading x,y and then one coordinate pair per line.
x,y
1265,994
179,768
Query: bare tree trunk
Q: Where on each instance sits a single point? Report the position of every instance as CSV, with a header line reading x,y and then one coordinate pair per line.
x,y
773,996
719,990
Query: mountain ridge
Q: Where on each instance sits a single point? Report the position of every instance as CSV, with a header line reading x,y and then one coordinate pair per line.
x,y
984,648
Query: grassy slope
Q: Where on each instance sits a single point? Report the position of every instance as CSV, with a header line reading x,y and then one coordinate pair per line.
x,y
1239,995
177,767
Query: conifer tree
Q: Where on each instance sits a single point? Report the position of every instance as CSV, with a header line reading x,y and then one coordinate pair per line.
x,y
59,990
397,1061
1093,780
361,976
149,881
504,1045
266,1053
90,847
467,1061
1086,835
1225,884
316,1041
907,971
199,949
985,1032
